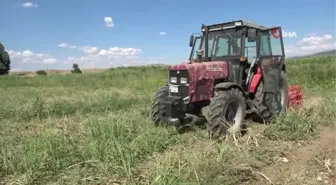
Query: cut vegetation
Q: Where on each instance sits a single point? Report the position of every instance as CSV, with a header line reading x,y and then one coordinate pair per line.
x,y
95,128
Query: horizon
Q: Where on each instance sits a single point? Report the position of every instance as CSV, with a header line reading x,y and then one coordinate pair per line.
x,y
53,35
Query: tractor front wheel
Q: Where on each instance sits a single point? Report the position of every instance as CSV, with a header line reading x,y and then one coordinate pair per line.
x,y
158,115
225,113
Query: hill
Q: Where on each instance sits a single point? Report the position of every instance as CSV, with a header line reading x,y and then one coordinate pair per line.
x,y
95,128
323,53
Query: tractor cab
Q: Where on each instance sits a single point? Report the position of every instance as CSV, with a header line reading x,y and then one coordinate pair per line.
x,y
232,40
239,43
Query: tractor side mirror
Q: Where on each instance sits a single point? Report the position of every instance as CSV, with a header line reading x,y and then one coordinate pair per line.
x,y
252,35
191,41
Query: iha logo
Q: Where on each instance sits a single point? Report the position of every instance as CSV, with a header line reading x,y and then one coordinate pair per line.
x,y
285,34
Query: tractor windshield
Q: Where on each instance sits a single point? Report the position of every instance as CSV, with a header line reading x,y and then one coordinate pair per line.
x,y
225,44
220,44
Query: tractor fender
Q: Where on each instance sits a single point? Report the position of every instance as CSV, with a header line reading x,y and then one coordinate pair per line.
x,y
256,78
227,85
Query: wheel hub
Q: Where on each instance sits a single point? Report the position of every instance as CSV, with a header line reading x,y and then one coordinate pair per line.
x,y
233,116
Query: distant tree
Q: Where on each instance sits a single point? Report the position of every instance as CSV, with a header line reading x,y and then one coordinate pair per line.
x,y
41,72
4,60
76,69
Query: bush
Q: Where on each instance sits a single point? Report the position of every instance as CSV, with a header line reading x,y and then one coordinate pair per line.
x,y
41,72
4,61
76,69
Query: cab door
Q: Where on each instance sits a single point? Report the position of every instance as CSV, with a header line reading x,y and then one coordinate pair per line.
x,y
271,56
196,46
270,43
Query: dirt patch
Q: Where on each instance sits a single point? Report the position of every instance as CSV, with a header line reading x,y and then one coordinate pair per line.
x,y
313,101
295,164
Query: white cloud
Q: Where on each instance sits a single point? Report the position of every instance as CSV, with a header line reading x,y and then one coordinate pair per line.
x,y
66,45
310,45
105,57
72,47
93,57
108,22
28,5
109,57
27,53
88,49
63,45
28,56
117,51
162,33
50,60
113,51
315,40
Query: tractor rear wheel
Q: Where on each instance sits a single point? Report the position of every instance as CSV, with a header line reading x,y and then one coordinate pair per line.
x,y
225,113
270,105
158,115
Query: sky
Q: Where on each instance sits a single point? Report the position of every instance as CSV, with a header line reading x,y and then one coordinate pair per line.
x,y
54,34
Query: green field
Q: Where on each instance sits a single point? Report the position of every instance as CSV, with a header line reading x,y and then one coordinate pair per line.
x,y
96,129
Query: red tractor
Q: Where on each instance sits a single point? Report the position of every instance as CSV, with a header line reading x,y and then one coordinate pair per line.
x,y
235,70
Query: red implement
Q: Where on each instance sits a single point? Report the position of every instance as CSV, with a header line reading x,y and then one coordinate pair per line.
x,y
295,96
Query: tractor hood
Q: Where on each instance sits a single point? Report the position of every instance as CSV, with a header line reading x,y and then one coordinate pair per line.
x,y
203,70
202,77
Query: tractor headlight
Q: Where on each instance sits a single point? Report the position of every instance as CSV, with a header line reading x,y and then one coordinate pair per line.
x,y
183,80
173,80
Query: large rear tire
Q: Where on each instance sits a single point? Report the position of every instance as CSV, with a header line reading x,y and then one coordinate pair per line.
x,y
225,113
271,105
158,115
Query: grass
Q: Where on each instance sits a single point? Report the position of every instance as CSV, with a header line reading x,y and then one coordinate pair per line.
x,y
95,128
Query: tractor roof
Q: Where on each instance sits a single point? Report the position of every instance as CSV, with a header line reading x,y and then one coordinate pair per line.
x,y
235,23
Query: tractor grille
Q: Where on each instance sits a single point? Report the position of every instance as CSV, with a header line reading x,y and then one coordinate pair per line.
x,y
183,89
179,74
